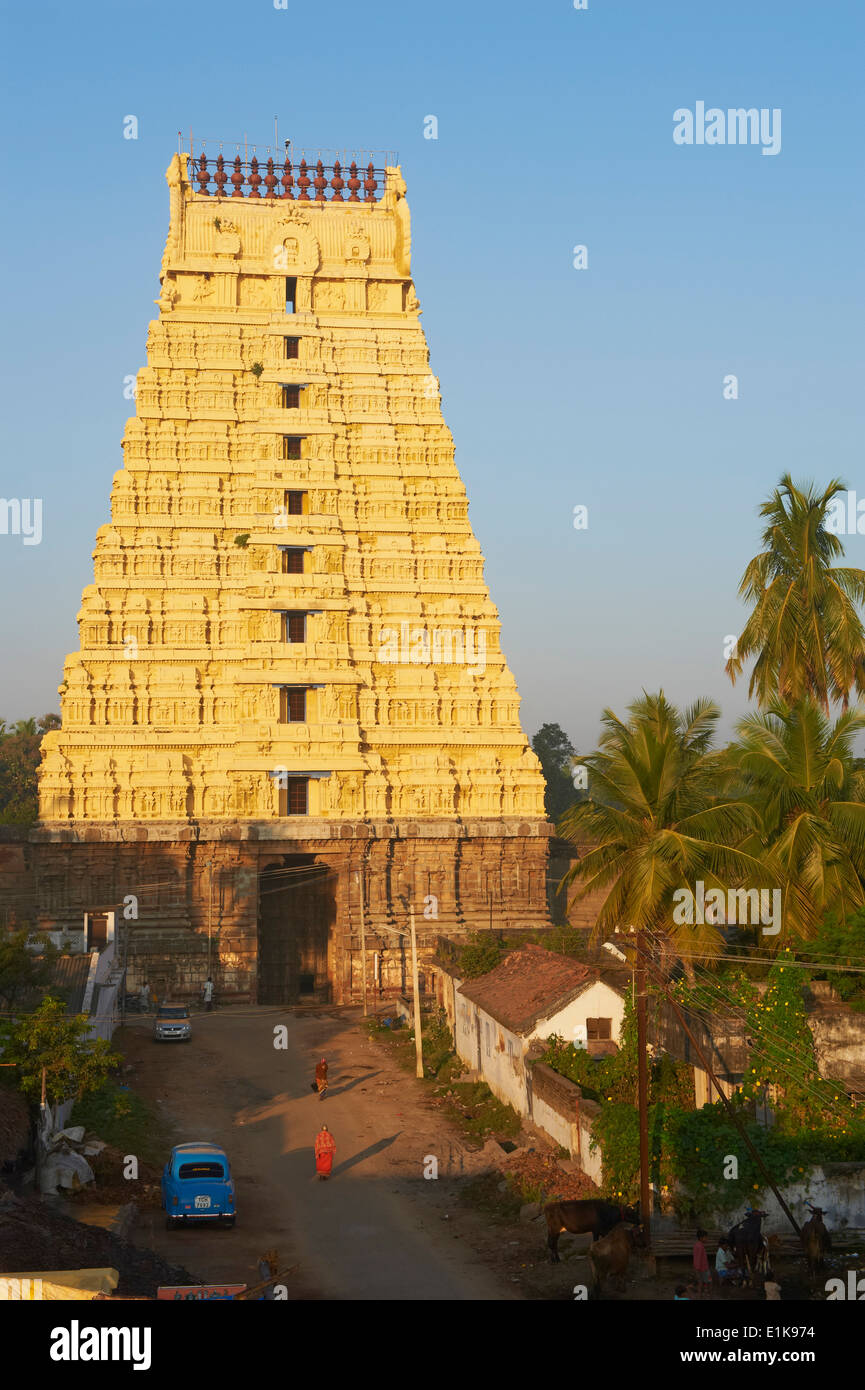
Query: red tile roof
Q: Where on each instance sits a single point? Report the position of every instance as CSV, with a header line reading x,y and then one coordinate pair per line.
x,y
528,985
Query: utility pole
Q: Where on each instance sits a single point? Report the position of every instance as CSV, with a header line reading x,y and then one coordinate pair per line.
x,y
210,920
123,976
39,1130
362,943
394,931
639,978
418,1045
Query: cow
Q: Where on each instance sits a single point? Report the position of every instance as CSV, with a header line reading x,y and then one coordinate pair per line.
x,y
815,1240
587,1216
610,1254
749,1244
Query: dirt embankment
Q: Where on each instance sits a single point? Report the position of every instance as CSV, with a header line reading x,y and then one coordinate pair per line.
x,y
34,1235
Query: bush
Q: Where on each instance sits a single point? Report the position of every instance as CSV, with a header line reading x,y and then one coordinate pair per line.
x,y
124,1120
481,953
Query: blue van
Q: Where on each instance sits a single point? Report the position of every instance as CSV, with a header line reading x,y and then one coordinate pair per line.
x,y
197,1185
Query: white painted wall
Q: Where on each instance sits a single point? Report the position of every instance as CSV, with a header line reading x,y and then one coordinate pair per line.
x,y
500,1057
598,1001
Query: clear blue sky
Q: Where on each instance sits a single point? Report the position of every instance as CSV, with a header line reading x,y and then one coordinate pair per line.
x,y
601,387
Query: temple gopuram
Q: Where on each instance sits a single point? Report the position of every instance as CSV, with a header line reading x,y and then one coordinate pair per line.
x,y
290,717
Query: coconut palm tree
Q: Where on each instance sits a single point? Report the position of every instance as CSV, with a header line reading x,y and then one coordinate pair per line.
x,y
797,767
805,629
657,819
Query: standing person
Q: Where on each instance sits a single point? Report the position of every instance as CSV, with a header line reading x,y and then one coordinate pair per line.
x,y
268,1267
325,1148
701,1264
145,997
207,992
321,1078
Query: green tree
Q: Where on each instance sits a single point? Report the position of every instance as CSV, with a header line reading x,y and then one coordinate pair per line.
x,y
20,753
805,630
841,942
556,753
22,972
799,772
74,1062
659,816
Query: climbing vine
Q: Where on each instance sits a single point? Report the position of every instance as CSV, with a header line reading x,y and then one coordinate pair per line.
x,y
698,1162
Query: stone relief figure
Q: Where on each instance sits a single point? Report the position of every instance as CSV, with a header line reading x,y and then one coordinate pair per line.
x,y
377,295
349,796
205,289
412,303
329,295
257,292
168,296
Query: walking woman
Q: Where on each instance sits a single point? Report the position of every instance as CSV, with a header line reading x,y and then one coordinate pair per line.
x,y
321,1078
325,1148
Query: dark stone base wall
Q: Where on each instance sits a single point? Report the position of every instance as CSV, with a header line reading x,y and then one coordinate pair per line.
x,y
171,885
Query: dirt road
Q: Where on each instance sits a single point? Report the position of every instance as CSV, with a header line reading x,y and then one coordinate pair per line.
x,y
375,1229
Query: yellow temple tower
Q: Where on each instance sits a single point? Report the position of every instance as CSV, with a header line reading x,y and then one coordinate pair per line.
x,y
290,714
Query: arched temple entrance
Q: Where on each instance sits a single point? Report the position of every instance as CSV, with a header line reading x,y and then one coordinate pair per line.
x,y
296,911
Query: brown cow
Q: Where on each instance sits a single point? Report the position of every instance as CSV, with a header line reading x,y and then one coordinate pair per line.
x,y
610,1255
587,1216
815,1241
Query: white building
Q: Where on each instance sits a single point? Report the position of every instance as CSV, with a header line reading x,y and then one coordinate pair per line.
x,y
530,995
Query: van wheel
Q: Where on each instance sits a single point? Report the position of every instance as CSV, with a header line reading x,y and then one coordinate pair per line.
x,y
229,1222
169,1223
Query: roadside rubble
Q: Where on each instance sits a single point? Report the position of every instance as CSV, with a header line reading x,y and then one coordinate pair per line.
x,y
64,1163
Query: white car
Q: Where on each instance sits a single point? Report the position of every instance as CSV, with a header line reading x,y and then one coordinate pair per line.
x,y
172,1024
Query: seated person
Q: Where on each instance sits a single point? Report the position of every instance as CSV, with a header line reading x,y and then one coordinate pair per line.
x,y
725,1263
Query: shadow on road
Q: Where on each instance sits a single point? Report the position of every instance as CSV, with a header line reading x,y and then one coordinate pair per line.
x,y
366,1153
341,1090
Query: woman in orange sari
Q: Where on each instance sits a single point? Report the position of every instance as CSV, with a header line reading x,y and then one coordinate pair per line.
x,y
321,1078
325,1148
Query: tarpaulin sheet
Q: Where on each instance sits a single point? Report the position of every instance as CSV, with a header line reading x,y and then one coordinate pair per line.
x,y
57,1285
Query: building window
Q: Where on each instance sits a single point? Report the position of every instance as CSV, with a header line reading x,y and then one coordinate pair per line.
x,y
291,446
290,294
292,348
294,797
292,704
292,560
294,627
599,1029
291,397
294,503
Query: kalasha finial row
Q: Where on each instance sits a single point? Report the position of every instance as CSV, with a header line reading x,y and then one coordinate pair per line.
x,y
249,174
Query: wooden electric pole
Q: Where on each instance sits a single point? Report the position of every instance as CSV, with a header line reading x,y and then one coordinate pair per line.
x,y
643,1086
362,944
418,1042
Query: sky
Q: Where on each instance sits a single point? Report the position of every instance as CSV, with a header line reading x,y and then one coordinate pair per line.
x,y
601,386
